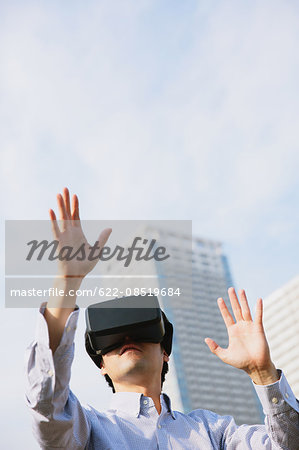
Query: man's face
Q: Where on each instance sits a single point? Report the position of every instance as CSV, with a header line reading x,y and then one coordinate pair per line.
x,y
133,362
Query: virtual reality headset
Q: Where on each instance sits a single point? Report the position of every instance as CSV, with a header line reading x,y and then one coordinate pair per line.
x,y
109,323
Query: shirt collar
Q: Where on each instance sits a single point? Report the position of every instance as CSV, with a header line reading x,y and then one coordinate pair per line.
x,y
132,402
167,403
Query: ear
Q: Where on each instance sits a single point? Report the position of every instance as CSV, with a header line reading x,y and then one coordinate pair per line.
x,y
103,370
165,356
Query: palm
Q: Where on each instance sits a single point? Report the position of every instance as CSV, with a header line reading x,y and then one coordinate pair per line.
x,y
74,237
248,347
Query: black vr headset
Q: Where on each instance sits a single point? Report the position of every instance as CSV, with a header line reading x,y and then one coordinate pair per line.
x,y
109,323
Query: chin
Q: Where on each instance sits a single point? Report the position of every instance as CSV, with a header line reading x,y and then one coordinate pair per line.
x,y
134,365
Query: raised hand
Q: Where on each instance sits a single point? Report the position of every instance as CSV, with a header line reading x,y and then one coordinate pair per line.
x,y
70,272
71,235
248,348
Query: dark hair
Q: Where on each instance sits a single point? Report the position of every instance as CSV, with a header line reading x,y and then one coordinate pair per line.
x,y
163,373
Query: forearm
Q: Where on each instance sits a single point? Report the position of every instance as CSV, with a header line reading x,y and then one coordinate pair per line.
x,y
60,307
58,417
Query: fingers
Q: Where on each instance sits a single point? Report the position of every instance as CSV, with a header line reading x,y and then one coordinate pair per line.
x,y
244,306
64,208
259,312
211,344
215,348
61,208
226,315
75,209
54,225
103,238
66,197
235,304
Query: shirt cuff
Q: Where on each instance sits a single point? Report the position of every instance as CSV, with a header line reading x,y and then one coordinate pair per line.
x,y
277,397
42,333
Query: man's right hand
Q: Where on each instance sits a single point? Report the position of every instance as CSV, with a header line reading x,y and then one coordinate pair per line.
x,y
71,235
70,273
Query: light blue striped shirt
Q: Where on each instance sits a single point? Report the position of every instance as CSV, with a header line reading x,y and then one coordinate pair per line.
x,y
132,421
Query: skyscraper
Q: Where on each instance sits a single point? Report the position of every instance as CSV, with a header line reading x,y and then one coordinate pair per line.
x,y
281,318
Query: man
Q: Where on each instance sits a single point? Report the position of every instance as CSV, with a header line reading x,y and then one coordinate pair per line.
x,y
140,417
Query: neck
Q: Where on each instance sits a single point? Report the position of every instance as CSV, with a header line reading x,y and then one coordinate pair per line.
x,y
148,390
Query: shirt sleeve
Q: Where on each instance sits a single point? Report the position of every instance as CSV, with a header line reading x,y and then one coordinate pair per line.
x,y
59,421
281,429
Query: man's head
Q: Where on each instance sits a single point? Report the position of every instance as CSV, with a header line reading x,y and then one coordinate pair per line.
x,y
135,363
128,343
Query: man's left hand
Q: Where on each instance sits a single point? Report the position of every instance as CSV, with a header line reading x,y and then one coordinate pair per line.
x,y
248,347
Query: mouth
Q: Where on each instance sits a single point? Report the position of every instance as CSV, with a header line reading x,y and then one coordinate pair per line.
x,y
129,347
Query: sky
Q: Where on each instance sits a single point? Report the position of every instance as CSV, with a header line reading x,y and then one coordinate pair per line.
x,y
150,110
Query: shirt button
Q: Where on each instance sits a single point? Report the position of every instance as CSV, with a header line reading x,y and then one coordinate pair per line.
x,y
50,372
274,400
159,426
287,395
145,402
